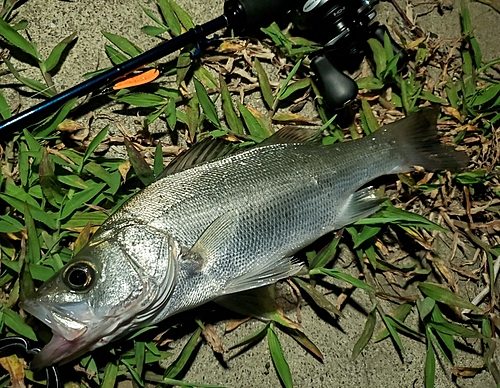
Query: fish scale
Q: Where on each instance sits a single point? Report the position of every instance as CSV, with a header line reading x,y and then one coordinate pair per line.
x,y
221,227
305,172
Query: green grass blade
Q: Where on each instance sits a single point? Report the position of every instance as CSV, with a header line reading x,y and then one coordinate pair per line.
x,y
182,15
206,103
454,329
45,129
379,56
10,225
170,18
367,117
93,145
152,16
325,255
143,100
140,166
133,372
445,296
140,356
153,30
302,339
170,112
400,313
252,338
5,111
230,115
278,357
393,215
33,253
370,83
16,323
317,297
289,77
56,53
343,276
113,180
265,86
430,362
115,56
37,213
253,125
392,331
158,160
367,334
110,374
48,181
123,44
176,367
16,39
294,87
183,65
79,199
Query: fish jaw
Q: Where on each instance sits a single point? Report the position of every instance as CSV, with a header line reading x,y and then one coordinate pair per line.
x,y
70,337
58,349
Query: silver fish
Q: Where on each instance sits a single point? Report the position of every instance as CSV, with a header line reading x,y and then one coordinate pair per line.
x,y
221,227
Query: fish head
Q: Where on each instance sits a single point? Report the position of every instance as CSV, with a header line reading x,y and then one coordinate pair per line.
x,y
110,288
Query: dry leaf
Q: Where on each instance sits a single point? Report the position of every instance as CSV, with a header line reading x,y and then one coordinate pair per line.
x,y
230,46
14,366
124,168
449,110
213,339
235,323
70,126
461,371
292,118
82,238
415,43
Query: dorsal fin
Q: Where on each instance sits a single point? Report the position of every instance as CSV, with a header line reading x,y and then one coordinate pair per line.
x,y
290,134
204,151
210,149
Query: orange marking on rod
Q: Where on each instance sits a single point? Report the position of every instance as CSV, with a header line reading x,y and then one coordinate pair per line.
x,y
137,79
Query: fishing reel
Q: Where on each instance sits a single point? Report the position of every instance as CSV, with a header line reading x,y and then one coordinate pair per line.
x,y
343,28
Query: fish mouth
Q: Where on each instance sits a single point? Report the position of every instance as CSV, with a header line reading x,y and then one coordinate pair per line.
x,y
68,339
58,349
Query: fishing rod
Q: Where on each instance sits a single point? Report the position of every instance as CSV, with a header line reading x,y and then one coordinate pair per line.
x,y
240,15
342,27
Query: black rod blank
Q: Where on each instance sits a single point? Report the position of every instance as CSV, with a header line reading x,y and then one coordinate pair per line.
x,y
38,112
241,15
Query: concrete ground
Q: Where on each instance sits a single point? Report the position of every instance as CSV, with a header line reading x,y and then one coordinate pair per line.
x,y
379,365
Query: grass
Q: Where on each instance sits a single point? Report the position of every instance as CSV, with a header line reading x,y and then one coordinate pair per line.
x,y
55,191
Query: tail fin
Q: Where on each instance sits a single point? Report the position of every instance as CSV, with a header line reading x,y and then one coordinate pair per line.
x,y
418,144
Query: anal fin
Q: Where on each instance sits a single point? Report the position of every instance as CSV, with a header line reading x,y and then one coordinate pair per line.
x,y
360,204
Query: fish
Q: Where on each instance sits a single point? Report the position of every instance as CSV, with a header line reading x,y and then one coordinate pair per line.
x,y
217,226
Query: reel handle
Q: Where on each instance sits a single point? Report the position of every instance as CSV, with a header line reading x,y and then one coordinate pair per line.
x,y
337,88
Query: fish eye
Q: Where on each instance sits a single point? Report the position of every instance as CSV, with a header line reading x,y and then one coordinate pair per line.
x,y
79,276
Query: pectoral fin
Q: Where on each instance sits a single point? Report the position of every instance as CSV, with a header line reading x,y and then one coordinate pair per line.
x,y
264,275
213,247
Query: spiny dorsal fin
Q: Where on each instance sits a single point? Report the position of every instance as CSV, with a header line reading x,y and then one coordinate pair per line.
x,y
210,149
290,134
204,151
